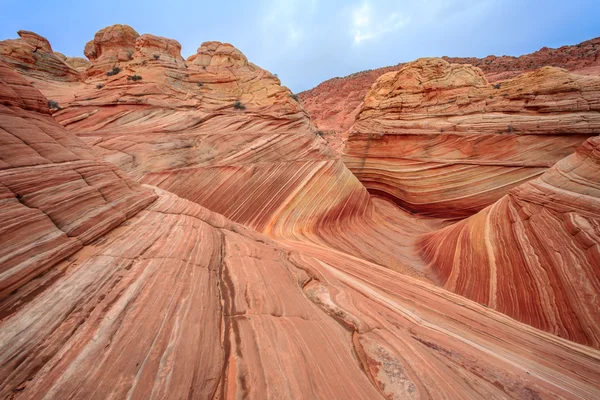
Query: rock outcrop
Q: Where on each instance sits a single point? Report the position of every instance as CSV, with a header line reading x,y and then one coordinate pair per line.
x,y
217,53
110,45
334,103
152,295
32,55
226,135
150,47
439,139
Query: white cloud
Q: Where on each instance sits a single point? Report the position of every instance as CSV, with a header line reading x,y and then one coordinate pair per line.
x,y
368,24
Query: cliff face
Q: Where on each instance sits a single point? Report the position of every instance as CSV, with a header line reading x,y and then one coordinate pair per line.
x,y
184,232
334,103
439,139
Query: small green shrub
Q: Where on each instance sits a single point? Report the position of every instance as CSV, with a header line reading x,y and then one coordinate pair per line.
x,y
497,86
99,86
238,105
53,105
113,71
295,97
156,56
320,133
134,78
200,84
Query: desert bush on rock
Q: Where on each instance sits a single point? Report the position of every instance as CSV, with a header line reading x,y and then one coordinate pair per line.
x,y
53,105
113,71
134,78
238,105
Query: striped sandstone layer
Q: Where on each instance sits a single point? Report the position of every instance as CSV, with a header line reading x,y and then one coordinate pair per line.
x,y
32,55
534,254
222,132
440,140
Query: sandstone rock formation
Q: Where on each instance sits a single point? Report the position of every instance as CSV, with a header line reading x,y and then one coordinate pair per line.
x,y
261,164
217,53
110,45
334,103
150,47
533,255
115,289
32,55
439,139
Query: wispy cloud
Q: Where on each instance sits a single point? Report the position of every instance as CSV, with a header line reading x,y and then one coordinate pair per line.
x,y
371,24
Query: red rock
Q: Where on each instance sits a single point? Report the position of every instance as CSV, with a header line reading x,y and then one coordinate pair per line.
x,y
179,301
32,55
78,63
155,48
217,53
334,103
439,139
110,46
122,315
534,254
56,197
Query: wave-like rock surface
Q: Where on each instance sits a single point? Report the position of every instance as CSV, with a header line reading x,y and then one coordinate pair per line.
x,y
56,196
222,132
535,254
439,139
151,295
334,104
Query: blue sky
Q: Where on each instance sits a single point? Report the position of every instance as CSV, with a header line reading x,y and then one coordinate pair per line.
x,y
308,41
